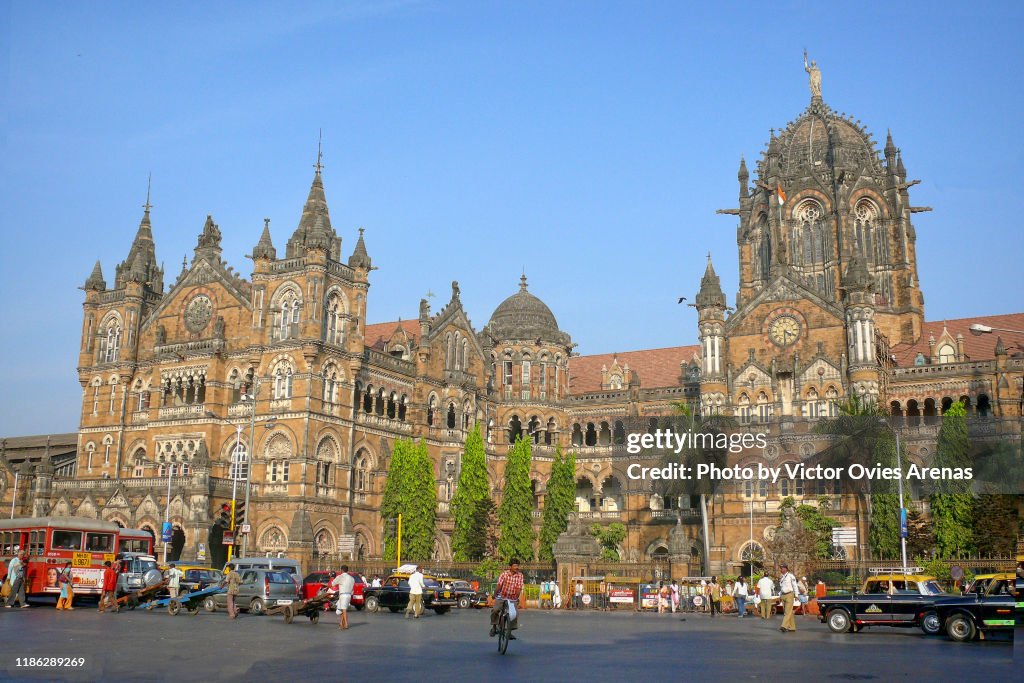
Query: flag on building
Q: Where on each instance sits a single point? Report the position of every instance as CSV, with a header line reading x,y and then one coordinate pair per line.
x,y
780,194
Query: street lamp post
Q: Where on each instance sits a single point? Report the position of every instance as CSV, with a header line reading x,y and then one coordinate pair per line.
x,y
236,457
15,497
248,467
167,509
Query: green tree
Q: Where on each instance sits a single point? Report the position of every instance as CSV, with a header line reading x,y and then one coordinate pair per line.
x,y
610,538
410,491
952,505
391,504
418,523
558,501
804,532
884,529
995,523
471,492
482,540
920,538
516,510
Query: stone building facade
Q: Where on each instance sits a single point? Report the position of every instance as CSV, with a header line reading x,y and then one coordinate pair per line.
x,y
280,375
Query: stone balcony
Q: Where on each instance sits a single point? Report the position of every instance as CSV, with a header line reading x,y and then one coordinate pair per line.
x,y
183,412
384,422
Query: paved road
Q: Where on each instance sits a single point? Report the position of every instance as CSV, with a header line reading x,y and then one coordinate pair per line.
x,y
565,646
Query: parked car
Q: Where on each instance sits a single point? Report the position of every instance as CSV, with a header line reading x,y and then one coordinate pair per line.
x,y
393,594
258,590
900,600
316,581
198,578
987,609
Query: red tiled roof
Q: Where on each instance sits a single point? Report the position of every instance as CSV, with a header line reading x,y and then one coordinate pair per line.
x,y
377,334
656,367
975,347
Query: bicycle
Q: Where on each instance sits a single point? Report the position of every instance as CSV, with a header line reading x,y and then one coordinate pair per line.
x,y
504,627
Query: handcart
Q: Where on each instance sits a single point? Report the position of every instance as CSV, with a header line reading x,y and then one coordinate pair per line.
x,y
134,599
305,608
192,602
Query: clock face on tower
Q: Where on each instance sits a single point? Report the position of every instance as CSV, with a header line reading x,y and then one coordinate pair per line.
x,y
784,330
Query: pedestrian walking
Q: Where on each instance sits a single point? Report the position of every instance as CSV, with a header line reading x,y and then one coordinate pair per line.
x,y
765,589
802,596
577,596
109,594
232,580
415,607
66,589
343,584
788,589
739,594
663,593
16,577
675,596
174,576
714,596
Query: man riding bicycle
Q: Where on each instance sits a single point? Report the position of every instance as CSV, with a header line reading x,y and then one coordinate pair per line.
x,y
510,586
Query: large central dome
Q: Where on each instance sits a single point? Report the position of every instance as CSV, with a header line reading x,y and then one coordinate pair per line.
x,y
524,316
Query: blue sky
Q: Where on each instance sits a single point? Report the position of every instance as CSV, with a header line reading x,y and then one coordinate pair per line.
x,y
589,142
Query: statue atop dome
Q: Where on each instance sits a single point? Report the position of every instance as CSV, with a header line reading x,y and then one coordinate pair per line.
x,y
815,77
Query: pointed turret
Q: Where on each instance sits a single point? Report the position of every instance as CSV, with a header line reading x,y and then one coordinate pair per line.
x,y
95,281
208,244
744,177
710,293
890,151
140,266
314,230
264,249
360,258
900,170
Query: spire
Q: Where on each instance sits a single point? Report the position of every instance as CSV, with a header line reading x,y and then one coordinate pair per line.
x,y
744,177
522,283
900,170
95,281
140,266
360,258
208,244
1000,347
710,294
265,248
314,230
890,149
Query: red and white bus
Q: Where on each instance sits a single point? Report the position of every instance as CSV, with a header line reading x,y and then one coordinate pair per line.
x,y
80,544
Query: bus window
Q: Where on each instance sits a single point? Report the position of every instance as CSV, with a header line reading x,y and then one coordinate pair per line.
x,y
36,541
5,543
67,540
99,543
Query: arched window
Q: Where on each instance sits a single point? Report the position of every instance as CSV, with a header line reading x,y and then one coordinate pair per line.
x,y
290,303
331,383
764,409
762,248
947,354
832,398
431,410
590,439
451,416
526,378
361,479
108,443
403,404
577,435
326,455
811,404
283,381
463,351
110,339
239,466
139,463
865,217
744,408
515,429
334,323
619,433
90,450
113,393
449,358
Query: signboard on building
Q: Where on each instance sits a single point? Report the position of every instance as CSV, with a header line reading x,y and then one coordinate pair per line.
x,y
346,544
844,535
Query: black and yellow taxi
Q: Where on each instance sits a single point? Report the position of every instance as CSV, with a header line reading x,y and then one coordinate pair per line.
x,y
393,594
987,606
886,599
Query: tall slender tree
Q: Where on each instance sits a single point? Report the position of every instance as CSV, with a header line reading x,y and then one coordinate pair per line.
x,y
884,531
391,504
411,491
953,505
516,510
471,492
558,502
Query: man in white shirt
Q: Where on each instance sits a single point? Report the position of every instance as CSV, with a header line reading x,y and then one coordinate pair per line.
x,y
174,576
739,594
376,582
765,587
788,587
344,584
415,594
